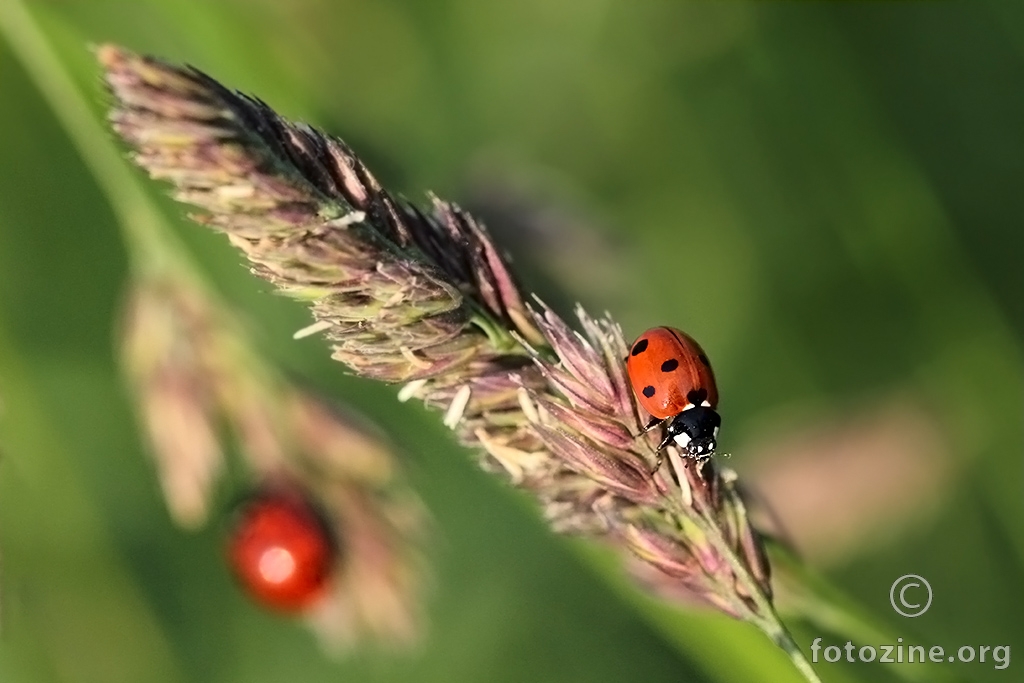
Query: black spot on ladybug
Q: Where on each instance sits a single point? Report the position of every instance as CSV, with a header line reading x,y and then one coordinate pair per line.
x,y
704,360
639,347
649,391
697,396
669,365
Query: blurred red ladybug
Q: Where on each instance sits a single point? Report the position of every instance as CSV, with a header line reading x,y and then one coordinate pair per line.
x,y
672,379
281,551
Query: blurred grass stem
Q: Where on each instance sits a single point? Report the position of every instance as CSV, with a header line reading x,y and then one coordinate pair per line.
x,y
154,246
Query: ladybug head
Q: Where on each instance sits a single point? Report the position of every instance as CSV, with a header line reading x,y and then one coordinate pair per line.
x,y
695,430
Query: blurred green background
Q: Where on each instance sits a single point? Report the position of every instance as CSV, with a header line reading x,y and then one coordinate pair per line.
x,y
826,195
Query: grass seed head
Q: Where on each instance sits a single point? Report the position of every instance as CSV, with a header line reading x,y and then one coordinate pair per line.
x,y
423,297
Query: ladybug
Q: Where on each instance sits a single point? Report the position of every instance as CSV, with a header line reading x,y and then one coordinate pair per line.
x,y
672,379
281,551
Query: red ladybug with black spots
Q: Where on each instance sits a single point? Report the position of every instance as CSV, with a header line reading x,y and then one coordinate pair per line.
x,y
673,380
281,550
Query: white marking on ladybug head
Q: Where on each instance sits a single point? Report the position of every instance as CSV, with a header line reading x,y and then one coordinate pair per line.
x,y
706,404
688,406
716,432
683,440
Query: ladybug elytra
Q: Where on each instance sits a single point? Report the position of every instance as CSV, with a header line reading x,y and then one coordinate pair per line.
x,y
281,550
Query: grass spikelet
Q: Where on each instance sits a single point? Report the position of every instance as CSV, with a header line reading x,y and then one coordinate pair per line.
x,y
424,298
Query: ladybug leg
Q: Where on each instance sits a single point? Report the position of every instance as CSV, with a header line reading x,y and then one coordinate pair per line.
x,y
661,451
655,421
657,462
667,441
